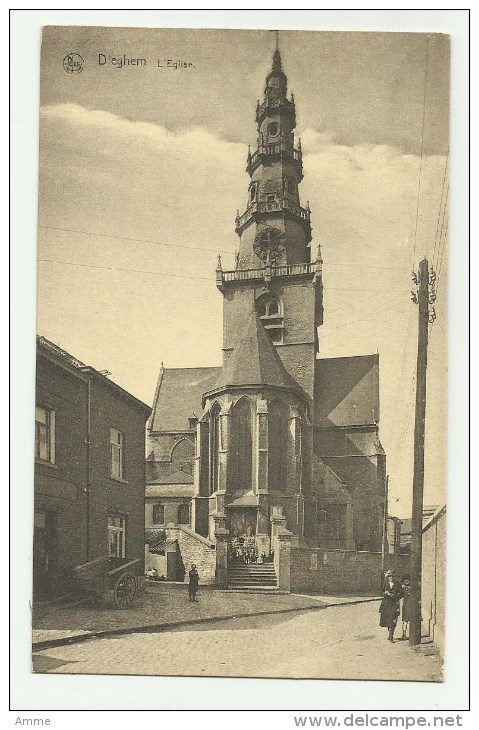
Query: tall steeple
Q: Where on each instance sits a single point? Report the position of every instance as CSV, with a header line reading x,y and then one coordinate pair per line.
x,y
274,220
274,275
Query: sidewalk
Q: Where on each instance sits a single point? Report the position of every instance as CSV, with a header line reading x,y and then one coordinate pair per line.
x,y
163,606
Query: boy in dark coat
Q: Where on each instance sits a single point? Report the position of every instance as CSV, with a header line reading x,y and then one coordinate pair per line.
x,y
194,580
389,608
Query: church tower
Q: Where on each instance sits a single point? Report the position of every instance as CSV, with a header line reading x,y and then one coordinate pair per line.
x,y
255,439
275,273
286,444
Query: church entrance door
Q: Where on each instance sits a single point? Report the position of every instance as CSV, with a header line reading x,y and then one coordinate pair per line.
x,y
243,521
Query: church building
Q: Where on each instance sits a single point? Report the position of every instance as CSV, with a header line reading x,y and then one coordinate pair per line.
x,y
277,434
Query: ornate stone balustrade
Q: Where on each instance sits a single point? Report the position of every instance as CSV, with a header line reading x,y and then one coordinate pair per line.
x,y
272,106
271,206
275,272
274,149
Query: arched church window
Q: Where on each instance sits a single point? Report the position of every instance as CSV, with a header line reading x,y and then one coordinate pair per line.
x,y
214,447
182,456
278,425
243,426
289,186
271,315
253,192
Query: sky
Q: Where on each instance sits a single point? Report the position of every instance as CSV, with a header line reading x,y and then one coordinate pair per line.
x,y
142,170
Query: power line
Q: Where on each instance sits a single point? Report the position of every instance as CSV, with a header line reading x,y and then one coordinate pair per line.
x,y
436,238
422,150
134,271
404,352
199,248
136,240
369,314
184,276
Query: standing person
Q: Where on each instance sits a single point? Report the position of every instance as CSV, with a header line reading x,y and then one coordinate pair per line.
x,y
194,580
406,606
389,608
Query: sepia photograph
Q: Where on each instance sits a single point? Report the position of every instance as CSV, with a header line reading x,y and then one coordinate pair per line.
x,y
241,354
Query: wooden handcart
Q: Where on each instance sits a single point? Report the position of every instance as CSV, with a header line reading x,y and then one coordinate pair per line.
x,y
98,577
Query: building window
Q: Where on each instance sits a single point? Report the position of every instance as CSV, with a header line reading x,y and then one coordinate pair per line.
x,y
215,442
184,514
45,434
116,536
158,514
243,435
271,316
278,429
116,453
183,456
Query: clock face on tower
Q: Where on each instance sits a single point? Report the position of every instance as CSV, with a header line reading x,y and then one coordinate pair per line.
x,y
269,241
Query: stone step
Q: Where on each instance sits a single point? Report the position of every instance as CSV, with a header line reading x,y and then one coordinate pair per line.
x,y
249,568
247,580
239,584
252,576
245,576
256,589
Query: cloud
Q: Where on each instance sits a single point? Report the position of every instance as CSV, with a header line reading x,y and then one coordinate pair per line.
x,y
114,176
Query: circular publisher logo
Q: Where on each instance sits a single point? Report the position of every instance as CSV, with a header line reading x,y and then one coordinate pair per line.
x,y
73,63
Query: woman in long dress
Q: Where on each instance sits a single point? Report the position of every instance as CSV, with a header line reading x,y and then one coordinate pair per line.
x,y
389,608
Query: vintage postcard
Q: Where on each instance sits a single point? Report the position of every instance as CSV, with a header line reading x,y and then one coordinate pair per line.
x,y
240,425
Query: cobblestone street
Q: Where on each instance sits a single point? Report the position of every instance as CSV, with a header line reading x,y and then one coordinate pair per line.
x,y
339,642
161,603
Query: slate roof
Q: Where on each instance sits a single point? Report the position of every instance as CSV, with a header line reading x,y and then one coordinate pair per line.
x,y
249,499
170,490
255,361
155,537
164,472
88,371
346,388
347,391
179,395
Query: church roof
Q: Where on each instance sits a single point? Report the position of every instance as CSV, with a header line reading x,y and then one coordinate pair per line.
x,y
346,388
164,472
254,361
346,391
178,396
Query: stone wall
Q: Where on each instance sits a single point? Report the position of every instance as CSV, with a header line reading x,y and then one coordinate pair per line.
x,y
339,572
433,596
195,549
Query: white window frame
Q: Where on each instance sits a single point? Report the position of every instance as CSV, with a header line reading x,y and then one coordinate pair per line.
x,y
117,537
117,443
49,425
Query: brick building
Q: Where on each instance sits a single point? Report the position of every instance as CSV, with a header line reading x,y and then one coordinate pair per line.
x,y
276,434
89,468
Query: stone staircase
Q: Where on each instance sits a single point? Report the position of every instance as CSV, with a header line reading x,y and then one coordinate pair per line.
x,y
252,576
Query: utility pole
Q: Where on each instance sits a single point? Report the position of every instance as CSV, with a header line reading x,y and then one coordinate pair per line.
x,y
423,298
385,541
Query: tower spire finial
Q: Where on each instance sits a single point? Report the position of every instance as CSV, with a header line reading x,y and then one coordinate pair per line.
x,y
277,55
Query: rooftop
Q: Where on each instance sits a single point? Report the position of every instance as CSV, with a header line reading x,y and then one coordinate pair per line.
x,y
179,396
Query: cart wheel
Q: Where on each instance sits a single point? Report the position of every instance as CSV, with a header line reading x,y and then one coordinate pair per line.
x,y
124,591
